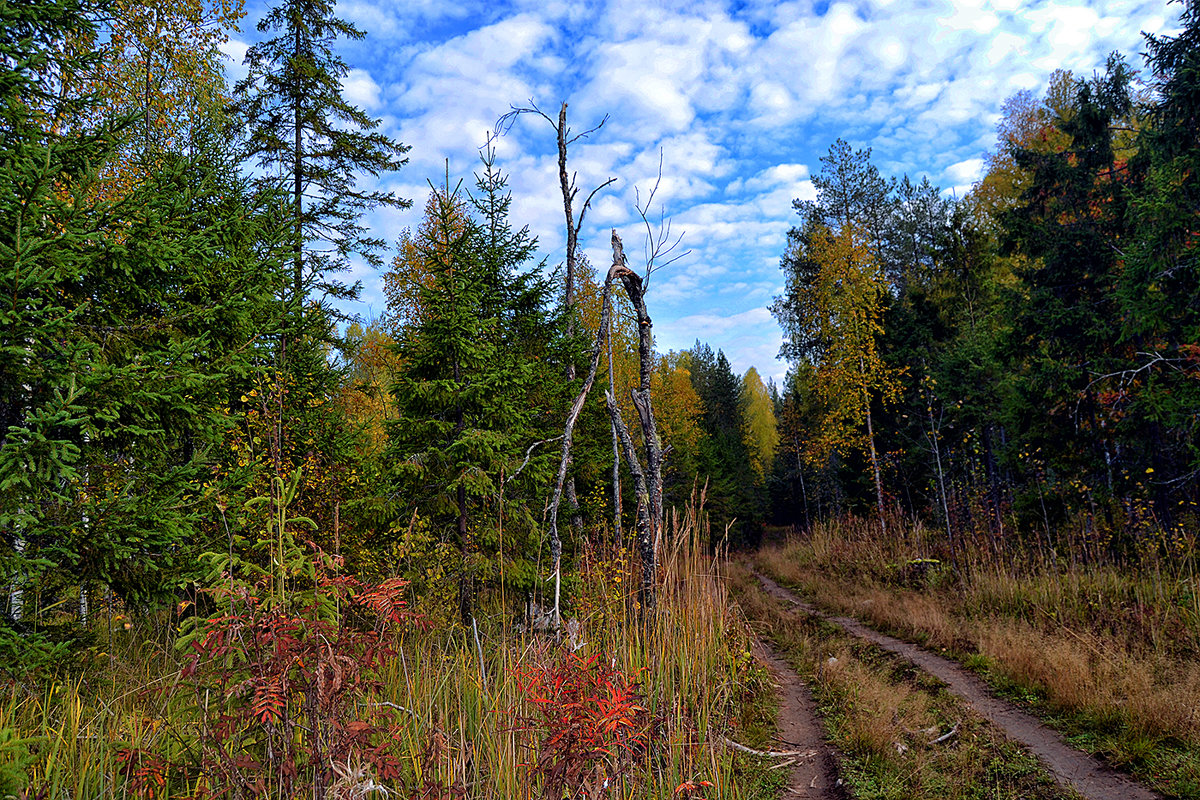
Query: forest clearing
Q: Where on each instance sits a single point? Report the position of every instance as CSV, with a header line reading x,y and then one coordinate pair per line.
x,y
495,538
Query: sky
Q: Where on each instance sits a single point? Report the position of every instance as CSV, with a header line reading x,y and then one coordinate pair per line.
x,y
736,100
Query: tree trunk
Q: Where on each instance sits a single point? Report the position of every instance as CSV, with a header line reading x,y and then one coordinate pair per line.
x,y
568,437
641,395
298,194
618,535
645,526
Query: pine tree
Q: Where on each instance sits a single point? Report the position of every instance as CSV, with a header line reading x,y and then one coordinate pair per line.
x,y
724,461
301,126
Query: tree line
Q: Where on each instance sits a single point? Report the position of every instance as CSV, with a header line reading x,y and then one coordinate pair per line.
x,y
1019,365
178,388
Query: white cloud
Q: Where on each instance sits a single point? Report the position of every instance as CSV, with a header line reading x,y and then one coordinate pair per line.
x,y
361,90
740,98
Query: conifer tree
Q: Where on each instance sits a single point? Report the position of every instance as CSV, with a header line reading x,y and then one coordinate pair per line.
x,y
301,125
131,326
475,383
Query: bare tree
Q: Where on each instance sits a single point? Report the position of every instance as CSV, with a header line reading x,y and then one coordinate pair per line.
x,y
570,190
568,185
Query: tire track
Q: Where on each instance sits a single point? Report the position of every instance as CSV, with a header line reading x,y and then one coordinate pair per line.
x,y
1070,767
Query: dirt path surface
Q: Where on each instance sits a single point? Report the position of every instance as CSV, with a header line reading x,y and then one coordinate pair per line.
x,y
1069,766
814,774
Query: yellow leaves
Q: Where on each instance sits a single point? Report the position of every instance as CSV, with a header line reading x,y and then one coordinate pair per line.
x,y
848,310
761,434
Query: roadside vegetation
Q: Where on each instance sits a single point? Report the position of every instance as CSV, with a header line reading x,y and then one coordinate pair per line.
x,y
1105,653
899,734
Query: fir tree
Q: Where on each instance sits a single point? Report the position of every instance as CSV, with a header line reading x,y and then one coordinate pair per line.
x,y
475,383
301,126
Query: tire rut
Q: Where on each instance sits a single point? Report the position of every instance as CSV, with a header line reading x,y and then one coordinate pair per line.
x,y
813,775
1070,767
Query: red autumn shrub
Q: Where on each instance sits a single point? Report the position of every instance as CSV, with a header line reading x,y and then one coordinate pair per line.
x,y
589,726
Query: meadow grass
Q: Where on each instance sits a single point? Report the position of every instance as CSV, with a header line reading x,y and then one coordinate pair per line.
x,y
1106,653
463,722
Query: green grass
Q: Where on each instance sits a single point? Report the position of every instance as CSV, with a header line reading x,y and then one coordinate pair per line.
x,y
883,715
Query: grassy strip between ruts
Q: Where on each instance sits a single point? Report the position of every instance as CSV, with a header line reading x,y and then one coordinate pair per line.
x,y
1090,651
890,721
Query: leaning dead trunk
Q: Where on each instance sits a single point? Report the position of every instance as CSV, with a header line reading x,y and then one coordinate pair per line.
x,y
648,481
564,462
641,395
645,528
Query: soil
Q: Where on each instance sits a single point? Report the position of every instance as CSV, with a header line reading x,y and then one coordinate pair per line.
x,y
814,773
1070,767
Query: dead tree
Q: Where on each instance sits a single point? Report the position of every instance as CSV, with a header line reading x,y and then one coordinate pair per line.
x,y
564,462
647,484
647,481
564,138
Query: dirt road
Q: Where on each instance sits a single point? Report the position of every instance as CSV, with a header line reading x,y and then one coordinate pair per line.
x,y
813,773
1070,767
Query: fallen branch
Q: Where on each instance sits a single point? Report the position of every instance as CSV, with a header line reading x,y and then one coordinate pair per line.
x,y
947,735
769,753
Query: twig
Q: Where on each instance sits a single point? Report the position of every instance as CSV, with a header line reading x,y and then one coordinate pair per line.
x,y
947,735
528,455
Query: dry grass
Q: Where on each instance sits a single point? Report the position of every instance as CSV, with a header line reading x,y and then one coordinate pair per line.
x,y
885,717
458,728
1110,654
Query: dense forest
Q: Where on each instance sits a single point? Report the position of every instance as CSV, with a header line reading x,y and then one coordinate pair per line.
x,y
198,445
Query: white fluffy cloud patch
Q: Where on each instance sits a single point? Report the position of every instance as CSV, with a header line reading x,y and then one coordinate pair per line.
x,y
738,99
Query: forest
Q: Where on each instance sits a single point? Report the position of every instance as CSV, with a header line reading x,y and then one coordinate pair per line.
x,y
494,542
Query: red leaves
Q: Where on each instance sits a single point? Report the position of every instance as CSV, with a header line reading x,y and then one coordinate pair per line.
x,y
145,773
590,724
292,681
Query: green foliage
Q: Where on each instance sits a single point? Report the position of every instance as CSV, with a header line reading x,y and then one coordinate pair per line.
x,y
761,435
734,494
301,124
475,387
130,326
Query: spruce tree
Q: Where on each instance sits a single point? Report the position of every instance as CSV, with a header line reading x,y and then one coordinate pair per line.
x,y
300,125
130,327
475,384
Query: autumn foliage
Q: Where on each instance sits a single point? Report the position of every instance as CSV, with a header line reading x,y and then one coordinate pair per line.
x,y
588,725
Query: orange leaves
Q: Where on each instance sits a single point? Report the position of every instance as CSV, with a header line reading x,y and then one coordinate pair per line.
x,y
145,773
589,724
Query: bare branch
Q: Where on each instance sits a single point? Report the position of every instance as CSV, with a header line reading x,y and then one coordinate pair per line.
x,y
528,455
659,243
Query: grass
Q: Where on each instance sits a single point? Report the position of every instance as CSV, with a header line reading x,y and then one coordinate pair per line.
x,y
461,726
885,717
1107,655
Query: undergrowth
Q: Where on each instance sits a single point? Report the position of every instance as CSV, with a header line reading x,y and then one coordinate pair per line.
x,y
307,682
1107,654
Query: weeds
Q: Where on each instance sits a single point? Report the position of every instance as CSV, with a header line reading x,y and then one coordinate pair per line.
x,y
1107,655
334,687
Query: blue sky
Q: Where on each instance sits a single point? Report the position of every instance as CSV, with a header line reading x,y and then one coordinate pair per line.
x,y
741,98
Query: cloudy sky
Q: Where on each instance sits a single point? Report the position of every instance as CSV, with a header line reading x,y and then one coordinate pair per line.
x,y
739,100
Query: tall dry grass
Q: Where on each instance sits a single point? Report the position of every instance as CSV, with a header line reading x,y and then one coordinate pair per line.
x,y
1114,650
457,699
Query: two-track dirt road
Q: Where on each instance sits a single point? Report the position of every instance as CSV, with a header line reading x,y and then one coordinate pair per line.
x,y
814,776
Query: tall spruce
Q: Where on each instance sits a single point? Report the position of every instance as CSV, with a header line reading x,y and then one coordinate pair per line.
x,y
130,327
475,384
302,127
